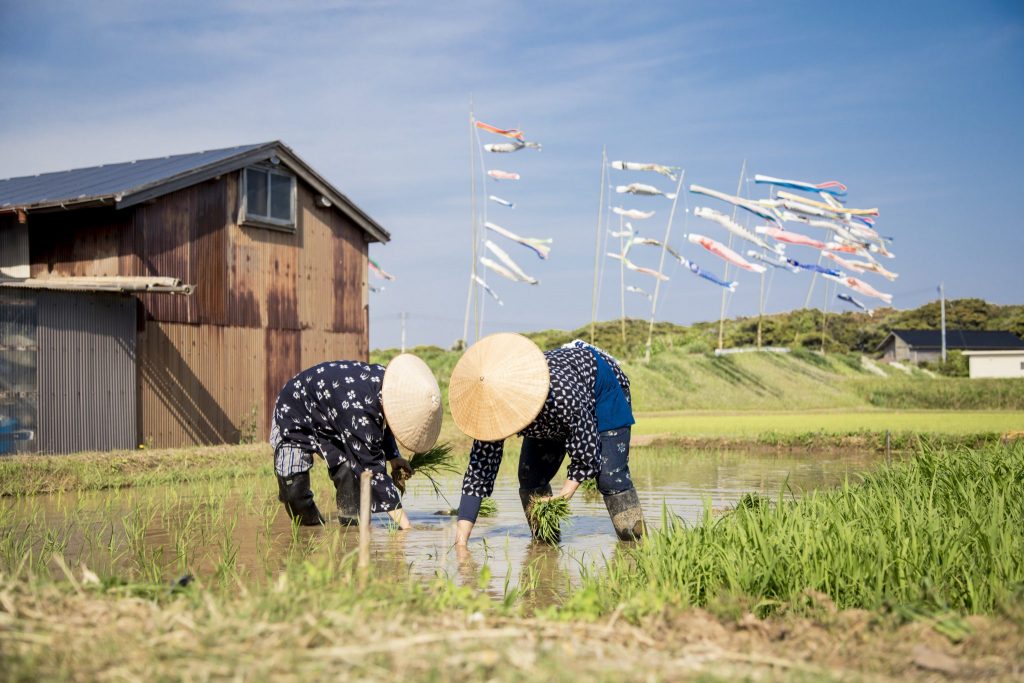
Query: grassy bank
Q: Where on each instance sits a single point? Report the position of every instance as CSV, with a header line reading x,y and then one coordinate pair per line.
x,y
943,531
678,379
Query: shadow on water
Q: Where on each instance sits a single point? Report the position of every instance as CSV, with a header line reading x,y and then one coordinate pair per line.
x,y
239,527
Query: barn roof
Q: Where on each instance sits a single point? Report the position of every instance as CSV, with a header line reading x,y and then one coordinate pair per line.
x,y
924,340
129,183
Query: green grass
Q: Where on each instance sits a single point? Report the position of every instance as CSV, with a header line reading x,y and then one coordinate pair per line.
x,y
748,424
942,531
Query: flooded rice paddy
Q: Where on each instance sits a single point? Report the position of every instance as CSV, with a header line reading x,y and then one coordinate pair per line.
x,y
224,529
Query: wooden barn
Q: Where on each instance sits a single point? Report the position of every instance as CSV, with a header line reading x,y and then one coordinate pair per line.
x,y
166,301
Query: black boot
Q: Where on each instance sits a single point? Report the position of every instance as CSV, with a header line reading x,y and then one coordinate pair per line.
x,y
297,497
526,496
346,485
627,515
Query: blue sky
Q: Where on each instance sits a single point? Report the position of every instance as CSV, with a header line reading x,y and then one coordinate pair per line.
x,y
917,107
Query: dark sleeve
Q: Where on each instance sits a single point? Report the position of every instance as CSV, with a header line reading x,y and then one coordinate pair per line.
x,y
389,445
619,375
484,459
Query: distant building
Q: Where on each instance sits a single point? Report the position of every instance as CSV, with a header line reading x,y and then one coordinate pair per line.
x,y
917,346
166,301
996,363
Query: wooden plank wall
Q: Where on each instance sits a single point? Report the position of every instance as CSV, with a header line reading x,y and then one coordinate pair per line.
x,y
267,303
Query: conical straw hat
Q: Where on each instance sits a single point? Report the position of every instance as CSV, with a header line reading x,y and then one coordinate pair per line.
x,y
498,386
412,403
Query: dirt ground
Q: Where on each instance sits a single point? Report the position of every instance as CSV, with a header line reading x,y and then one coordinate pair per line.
x,y
55,633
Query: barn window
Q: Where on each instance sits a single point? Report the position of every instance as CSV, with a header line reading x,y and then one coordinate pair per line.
x,y
269,198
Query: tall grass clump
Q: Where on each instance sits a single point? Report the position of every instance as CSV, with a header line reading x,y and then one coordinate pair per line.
x,y
942,531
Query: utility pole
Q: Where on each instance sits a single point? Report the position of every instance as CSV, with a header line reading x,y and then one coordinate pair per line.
x,y
403,317
942,305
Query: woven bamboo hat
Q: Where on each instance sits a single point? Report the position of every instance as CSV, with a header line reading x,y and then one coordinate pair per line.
x,y
498,386
412,403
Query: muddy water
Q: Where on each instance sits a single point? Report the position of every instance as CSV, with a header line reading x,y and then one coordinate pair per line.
x,y
239,526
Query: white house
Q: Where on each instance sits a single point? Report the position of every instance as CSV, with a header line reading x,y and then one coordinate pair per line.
x,y
1007,363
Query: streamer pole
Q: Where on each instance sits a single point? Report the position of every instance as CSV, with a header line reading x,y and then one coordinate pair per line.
x,y
661,267
622,280
597,244
472,226
725,273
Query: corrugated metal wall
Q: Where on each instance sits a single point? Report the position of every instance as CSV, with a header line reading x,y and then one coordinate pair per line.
x,y
18,353
267,302
86,371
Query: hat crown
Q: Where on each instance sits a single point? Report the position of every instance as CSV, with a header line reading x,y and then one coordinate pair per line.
x,y
498,387
412,402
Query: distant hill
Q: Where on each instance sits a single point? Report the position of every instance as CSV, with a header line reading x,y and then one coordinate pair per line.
x,y
683,374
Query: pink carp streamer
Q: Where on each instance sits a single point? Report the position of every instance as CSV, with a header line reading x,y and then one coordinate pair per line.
x,y
635,214
735,228
849,265
790,237
499,269
379,272
865,289
477,279
639,269
503,175
872,267
725,253
513,133
667,171
511,265
541,247
832,187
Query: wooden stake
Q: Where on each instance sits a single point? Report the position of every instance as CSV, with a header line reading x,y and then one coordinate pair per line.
x,y
364,524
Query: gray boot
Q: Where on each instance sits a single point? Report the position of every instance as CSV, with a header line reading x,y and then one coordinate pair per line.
x,y
526,495
297,497
627,515
346,485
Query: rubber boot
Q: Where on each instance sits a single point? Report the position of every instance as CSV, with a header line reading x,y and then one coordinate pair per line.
x,y
526,495
346,485
297,497
627,515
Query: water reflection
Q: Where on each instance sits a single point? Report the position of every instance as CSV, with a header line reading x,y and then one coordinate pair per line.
x,y
239,526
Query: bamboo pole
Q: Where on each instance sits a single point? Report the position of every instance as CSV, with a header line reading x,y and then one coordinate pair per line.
x,y
364,524
597,244
661,268
622,280
725,273
472,228
760,312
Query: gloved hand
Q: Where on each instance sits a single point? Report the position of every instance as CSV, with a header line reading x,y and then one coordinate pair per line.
x,y
401,470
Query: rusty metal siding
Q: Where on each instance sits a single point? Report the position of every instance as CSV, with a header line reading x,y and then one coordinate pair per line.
x,y
18,360
85,242
86,372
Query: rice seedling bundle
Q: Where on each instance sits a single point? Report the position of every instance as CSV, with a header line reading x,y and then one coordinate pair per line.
x,y
545,517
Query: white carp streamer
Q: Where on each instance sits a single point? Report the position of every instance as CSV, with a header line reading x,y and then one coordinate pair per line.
x,y
541,247
635,214
507,261
735,228
477,279
503,175
667,171
646,190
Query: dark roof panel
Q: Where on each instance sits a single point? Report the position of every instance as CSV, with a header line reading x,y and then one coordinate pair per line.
x,y
961,339
109,180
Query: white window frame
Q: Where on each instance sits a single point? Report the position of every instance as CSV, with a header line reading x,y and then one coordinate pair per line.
x,y
268,221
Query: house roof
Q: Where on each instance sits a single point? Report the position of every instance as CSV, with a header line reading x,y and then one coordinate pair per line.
x,y
129,183
925,340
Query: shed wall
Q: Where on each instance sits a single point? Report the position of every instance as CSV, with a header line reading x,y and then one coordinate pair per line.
x,y
1010,365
